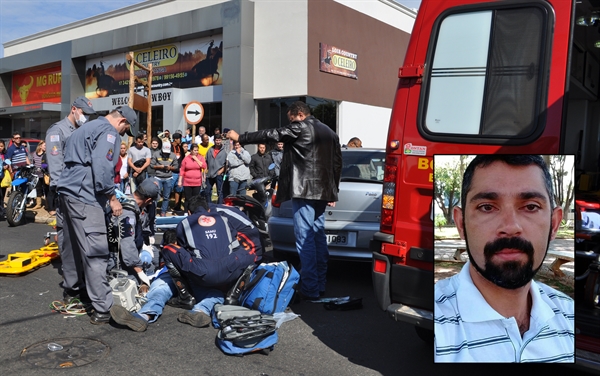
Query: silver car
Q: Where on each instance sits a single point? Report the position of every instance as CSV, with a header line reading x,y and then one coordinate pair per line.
x,y
349,225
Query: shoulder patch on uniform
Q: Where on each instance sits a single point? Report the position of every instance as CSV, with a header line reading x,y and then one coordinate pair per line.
x,y
205,221
54,138
110,138
127,228
54,150
110,155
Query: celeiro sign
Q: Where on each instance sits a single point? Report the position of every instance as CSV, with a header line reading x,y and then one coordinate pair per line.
x,y
337,61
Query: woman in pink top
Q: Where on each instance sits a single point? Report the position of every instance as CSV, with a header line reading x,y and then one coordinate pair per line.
x,y
190,174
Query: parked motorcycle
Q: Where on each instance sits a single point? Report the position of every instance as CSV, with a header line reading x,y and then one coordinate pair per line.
x,y
23,194
258,207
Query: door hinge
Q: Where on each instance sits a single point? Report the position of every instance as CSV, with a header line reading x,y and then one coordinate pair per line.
x,y
411,72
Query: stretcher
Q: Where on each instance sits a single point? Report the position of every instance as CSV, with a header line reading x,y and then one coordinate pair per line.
x,y
23,262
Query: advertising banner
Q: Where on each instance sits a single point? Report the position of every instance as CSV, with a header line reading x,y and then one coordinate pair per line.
x,y
35,87
337,61
191,63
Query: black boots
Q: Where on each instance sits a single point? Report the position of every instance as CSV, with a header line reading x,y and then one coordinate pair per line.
x,y
183,299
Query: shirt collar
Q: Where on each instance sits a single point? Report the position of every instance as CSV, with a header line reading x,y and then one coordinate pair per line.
x,y
468,297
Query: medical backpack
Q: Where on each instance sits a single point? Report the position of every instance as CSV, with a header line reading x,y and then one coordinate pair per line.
x,y
269,288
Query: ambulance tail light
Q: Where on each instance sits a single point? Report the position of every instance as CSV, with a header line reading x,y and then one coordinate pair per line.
x,y
379,266
389,193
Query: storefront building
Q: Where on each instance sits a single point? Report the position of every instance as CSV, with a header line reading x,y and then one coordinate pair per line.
x,y
245,61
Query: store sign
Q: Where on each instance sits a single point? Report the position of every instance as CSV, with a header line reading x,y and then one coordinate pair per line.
x,y
191,63
337,61
158,57
37,86
123,100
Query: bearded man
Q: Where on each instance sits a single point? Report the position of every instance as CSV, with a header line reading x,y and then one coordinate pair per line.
x,y
493,311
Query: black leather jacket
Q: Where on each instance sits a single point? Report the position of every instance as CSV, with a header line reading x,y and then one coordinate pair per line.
x,y
312,159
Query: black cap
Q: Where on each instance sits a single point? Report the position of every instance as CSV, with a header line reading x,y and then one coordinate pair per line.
x,y
131,117
149,188
85,104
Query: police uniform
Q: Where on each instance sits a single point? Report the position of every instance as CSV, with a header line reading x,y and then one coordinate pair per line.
x,y
56,138
126,231
84,187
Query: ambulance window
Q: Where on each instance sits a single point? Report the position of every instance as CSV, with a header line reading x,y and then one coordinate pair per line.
x,y
482,83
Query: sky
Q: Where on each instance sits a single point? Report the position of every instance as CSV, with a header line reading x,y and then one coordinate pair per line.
x,y
20,18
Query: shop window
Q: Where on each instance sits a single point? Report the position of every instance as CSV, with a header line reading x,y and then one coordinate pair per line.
x,y
157,121
213,118
272,113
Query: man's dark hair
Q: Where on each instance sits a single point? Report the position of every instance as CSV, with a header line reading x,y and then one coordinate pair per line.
x,y
299,107
512,160
176,136
197,202
170,237
139,137
16,134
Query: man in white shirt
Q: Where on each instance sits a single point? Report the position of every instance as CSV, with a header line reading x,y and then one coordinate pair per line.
x,y
138,161
492,311
201,132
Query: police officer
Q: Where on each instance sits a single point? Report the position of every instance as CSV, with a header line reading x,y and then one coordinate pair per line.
x,y
85,187
56,138
126,231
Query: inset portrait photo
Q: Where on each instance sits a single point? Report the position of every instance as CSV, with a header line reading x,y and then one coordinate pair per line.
x,y
504,258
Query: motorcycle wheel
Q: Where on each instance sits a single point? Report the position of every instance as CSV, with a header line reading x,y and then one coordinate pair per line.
x,y
14,216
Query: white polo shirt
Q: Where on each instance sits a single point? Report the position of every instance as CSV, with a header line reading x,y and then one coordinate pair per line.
x,y
468,329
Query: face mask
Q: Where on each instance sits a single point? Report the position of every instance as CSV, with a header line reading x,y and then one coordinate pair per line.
x,y
82,119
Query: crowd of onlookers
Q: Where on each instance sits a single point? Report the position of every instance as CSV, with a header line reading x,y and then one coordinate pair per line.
x,y
185,166
213,166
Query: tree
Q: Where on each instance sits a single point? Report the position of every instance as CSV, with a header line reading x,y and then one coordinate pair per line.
x,y
562,171
447,184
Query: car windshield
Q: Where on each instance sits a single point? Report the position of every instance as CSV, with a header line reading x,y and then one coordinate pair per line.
x,y
361,165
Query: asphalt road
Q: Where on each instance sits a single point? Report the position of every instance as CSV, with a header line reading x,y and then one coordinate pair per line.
x,y
319,342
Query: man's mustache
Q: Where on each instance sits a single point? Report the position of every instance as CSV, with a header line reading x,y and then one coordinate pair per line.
x,y
491,248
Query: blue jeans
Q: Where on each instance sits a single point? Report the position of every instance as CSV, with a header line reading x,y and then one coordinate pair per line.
x,y
123,185
218,180
166,186
311,244
163,288
236,188
174,187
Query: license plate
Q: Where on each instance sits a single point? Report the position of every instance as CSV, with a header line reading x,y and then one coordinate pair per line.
x,y
337,238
